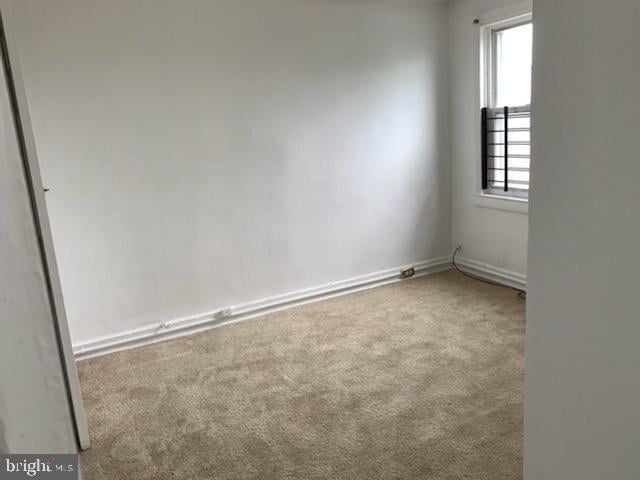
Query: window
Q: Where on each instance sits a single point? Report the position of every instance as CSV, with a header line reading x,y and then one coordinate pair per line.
x,y
506,116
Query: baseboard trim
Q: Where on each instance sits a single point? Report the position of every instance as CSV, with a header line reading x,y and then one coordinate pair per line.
x,y
180,327
495,274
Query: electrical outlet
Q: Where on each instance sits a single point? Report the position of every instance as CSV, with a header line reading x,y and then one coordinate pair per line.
x,y
408,273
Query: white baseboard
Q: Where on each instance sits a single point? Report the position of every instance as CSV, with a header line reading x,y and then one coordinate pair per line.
x,y
495,274
189,325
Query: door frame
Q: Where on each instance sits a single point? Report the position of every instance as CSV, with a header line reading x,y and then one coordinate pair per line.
x,y
37,193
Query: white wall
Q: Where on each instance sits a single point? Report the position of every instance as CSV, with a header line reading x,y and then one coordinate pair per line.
x,y
34,412
207,153
491,237
582,418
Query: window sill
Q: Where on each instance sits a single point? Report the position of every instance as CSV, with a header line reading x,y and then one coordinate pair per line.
x,y
497,202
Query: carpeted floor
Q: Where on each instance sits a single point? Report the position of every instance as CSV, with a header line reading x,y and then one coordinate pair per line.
x,y
420,379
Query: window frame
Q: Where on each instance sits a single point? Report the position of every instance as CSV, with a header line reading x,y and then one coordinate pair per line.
x,y
516,15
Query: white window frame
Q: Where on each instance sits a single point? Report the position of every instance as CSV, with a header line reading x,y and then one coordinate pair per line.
x,y
487,63
514,15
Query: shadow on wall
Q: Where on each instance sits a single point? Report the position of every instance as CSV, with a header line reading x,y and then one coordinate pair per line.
x,y
4,443
4,447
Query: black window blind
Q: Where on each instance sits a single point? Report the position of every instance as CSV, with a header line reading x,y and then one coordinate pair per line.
x,y
506,149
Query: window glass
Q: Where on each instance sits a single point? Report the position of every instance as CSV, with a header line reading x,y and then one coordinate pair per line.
x,y
512,50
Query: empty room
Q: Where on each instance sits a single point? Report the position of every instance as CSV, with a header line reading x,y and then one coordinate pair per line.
x,y
311,239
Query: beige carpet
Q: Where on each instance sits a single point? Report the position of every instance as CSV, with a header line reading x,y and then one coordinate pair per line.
x,y
420,379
